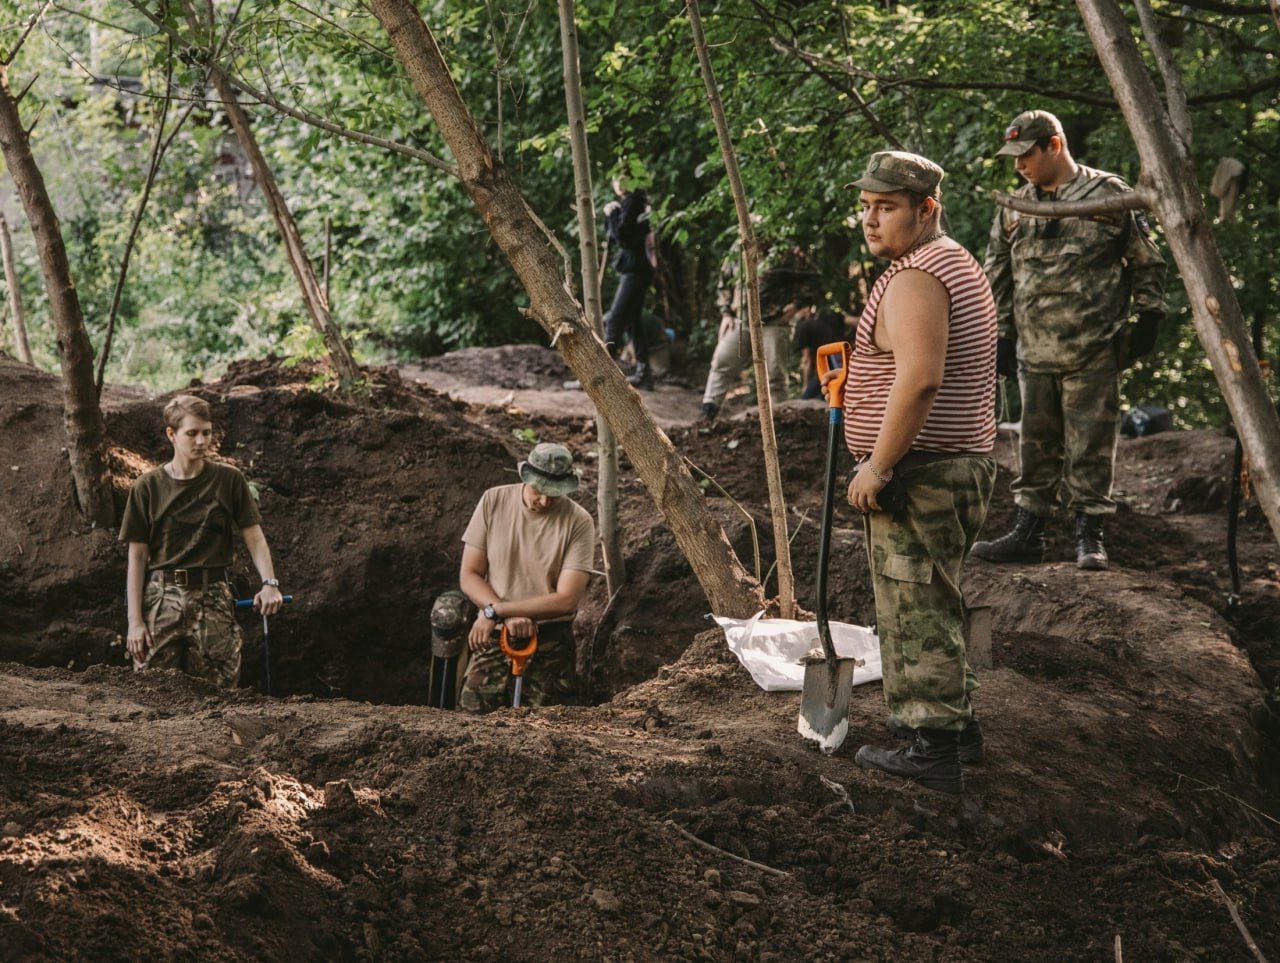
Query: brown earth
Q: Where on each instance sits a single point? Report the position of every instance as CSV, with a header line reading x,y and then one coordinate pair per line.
x,y
1132,741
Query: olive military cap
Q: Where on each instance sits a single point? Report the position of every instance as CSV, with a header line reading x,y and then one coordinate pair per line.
x,y
1027,128
896,170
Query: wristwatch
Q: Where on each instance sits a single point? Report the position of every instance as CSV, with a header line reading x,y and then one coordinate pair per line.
x,y
273,582
489,613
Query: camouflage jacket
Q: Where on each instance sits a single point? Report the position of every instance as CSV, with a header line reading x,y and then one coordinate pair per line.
x,y
1066,286
786,277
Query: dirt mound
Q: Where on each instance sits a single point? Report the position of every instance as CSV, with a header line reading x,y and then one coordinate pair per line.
x,y
524,366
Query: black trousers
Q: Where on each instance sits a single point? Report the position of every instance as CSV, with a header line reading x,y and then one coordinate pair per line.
x,y
625,316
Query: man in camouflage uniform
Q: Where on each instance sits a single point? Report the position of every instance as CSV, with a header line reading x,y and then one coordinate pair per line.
x,y
787,283
1064,289
527,558
178,522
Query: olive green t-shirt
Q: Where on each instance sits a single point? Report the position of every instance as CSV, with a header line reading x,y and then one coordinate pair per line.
x,y
187,523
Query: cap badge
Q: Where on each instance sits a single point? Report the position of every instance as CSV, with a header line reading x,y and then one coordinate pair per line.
x,y
1012,132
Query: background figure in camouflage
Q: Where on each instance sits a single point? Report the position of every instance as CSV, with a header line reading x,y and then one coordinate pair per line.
x,y
451,616
548,678
787,282
1064,290
916,555
193,630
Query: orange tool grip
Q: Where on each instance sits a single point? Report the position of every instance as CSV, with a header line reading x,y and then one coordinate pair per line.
x,y
835,357
519,657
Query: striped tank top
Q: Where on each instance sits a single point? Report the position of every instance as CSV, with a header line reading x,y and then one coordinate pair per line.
x,y
962,419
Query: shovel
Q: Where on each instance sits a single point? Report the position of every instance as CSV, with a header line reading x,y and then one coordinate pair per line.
x,y
519,659
828,680
266,640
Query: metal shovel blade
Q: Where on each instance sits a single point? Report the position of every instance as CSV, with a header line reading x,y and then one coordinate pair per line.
x,y
824,704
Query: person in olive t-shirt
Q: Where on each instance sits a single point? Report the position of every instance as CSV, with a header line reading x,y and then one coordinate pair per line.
x,y
178,523
527,558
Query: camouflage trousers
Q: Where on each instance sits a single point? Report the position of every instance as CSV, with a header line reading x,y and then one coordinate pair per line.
x,y
733,356
194,630
548,676
916,555
1070,424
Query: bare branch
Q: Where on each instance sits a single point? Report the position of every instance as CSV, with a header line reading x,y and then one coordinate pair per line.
x,y
298,113
1141,198
26,33
847,88
1175,94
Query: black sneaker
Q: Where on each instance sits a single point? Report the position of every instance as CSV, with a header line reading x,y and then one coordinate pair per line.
x,y
642,378
1091,554
933,761
1025,543
972,744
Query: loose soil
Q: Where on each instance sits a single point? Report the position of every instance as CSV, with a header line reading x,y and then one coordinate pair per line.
x,y
1130,721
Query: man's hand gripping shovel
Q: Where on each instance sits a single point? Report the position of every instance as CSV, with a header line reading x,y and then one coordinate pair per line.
x,y
519,659
828,680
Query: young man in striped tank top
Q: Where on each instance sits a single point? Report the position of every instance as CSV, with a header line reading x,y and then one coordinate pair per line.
x,y
919,410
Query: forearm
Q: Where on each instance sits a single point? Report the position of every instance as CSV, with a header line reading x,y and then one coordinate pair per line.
x,y
477,588
134,582
261,555
552,606
906,411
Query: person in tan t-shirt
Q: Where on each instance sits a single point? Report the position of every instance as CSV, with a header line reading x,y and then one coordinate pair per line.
x,y
527,558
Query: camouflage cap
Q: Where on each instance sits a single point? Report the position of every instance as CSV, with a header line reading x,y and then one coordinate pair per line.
x,y
450,617
549,469
896,170
1027,128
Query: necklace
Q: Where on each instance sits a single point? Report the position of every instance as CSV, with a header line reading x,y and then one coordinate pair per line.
x,y
922,242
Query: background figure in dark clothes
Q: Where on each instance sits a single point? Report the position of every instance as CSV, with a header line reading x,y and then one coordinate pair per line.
x,y
820,326
627,222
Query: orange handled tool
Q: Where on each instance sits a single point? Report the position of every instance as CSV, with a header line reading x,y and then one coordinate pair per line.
x,y
519,658
835,357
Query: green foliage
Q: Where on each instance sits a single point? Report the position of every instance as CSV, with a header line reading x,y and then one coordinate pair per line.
x,y
414,270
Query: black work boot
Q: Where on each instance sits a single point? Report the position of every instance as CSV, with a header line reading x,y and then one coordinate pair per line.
x,y
1025,543
709,411
971,741
642,378
933,760
1090,552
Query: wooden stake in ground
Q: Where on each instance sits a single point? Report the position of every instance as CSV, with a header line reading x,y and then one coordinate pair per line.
x,y
541,266
615,572
312,294
1176,200
750,253
86,433
15,294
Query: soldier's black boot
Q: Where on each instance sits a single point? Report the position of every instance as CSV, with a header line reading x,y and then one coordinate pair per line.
x,y
1090,552
1025,543
933,760
643,377
971,741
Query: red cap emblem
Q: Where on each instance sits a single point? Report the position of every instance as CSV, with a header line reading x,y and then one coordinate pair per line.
x,y
1012,132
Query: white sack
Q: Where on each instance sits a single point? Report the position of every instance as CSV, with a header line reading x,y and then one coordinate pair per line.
x,y
771,649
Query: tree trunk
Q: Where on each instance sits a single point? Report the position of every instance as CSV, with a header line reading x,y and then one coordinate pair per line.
x,y
750,252
86,433
607,483
15,294
523,239
312,295
1218,319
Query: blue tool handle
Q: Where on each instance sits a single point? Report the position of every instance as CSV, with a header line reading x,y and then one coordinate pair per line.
x,y
248,603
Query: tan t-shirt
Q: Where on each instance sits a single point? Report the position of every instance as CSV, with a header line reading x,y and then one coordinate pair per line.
x,y
527,550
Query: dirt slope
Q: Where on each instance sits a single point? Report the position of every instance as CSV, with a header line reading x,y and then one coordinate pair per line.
x,y
1130,721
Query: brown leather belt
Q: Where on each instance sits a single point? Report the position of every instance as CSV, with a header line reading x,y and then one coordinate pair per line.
x,y
184,577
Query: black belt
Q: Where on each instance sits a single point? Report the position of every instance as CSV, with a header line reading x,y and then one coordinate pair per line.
x,y
183,577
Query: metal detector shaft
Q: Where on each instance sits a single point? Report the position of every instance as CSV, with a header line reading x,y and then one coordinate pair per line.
x,y
266,641
515,699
